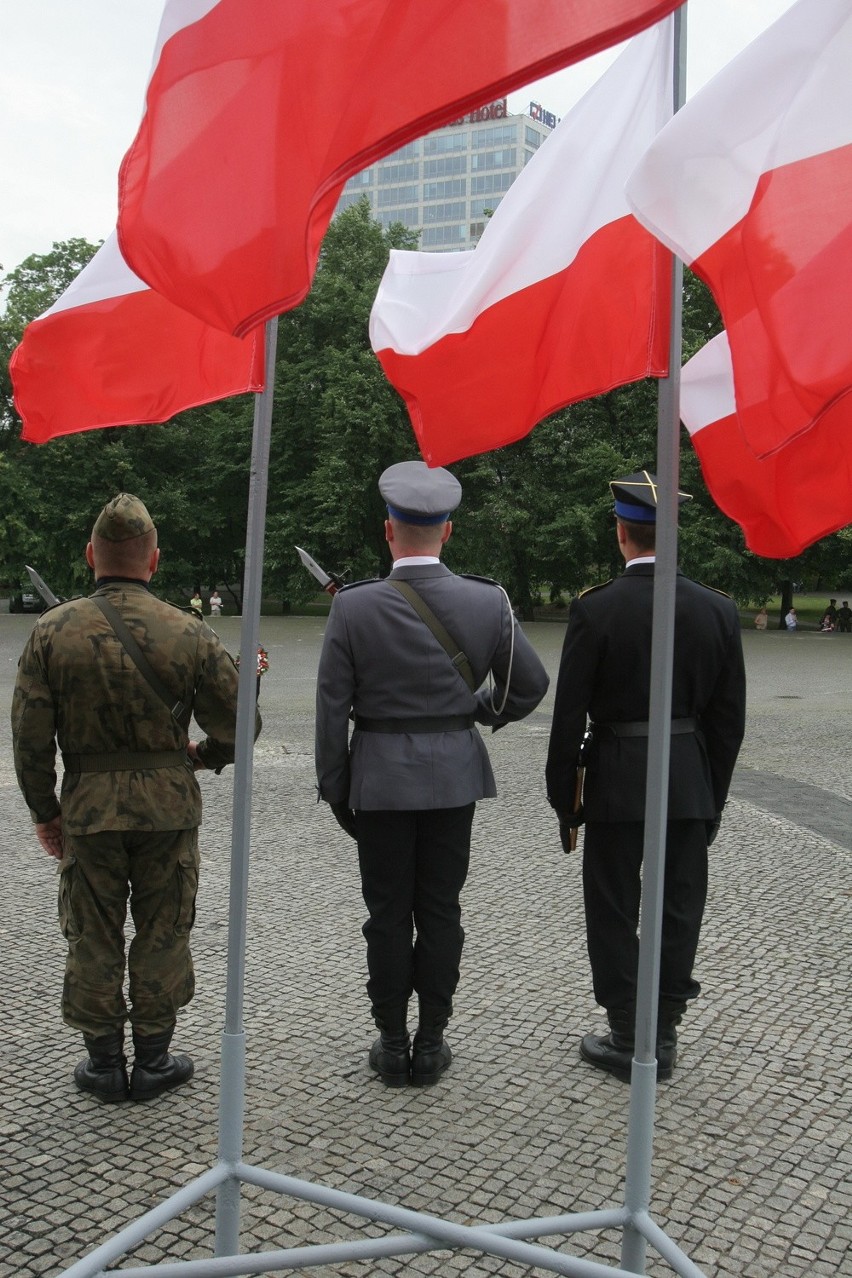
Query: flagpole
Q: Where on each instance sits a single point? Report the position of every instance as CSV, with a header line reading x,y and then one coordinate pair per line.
x,y
232,1077
643,1077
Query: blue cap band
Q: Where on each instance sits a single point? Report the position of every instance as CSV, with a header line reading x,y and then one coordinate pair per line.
x,y
407,518
639,514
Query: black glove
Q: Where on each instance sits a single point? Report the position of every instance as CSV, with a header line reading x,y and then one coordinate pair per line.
x,y
345,818
713,827
569,822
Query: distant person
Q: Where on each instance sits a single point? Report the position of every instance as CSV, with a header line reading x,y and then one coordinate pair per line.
x,y
761,620
604,684
844,618
195,602
831,612
791,621
404,659
114,679
215,603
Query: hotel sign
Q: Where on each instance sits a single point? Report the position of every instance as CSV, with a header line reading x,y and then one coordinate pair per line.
x,y
537,112
494,111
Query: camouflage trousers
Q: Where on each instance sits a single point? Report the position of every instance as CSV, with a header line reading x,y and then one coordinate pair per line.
x,y
158,873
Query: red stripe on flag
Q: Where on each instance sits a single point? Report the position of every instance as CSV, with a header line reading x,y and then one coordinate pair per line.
x,y
258,112
783,280
601,322
126,360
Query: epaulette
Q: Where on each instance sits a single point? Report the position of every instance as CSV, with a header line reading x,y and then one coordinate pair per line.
x,y
590,589
193,612
49,607
366,581
472,576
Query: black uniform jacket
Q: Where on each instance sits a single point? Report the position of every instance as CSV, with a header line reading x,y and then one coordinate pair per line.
x,y
605,675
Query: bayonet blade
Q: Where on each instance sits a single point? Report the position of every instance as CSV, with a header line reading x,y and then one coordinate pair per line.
x,y
42,587
314,569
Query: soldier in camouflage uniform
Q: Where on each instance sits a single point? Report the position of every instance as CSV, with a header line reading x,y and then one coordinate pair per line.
x,y
126,822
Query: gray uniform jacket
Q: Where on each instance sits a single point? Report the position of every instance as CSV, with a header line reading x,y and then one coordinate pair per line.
x,y
382,662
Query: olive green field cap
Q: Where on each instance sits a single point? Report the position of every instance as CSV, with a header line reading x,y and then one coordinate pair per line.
x,y
122,519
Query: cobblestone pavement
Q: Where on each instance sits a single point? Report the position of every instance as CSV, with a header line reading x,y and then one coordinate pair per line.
x,y
752,1152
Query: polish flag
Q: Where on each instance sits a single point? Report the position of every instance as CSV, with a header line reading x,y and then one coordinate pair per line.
x,y
110,352
258,111
751,185
564,297
787,500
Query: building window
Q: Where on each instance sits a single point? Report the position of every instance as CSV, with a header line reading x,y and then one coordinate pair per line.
x,y
445,167
444,190
397,195
533,138
399,172
478,207
476,229
505,159
442,236
441,143
491,183
497,135
408,217
444,212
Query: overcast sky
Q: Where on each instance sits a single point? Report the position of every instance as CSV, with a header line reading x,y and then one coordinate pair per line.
x,y
72,84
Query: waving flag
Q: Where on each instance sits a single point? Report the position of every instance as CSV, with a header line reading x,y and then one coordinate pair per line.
x,y
110,352
564,297
258,112
782,502
751,185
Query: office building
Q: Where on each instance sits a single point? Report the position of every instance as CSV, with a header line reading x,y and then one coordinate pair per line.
x,y
444,184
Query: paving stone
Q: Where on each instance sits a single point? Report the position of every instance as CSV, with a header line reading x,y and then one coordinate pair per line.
x,y
752,1172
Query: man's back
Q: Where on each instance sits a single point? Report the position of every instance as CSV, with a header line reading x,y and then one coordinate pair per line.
x,y
607,663
77,682
380,658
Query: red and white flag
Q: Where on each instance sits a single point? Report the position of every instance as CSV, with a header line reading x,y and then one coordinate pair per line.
x,y
110,352
785,501
564,297
258,111
751,185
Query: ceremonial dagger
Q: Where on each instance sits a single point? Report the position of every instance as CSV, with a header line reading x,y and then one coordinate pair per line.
x,y
42,587
330,583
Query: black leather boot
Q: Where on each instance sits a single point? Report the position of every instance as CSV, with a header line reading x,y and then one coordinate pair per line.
x,y
612,1052
390,1056
104,1072
668,1019
155,1070
430,1055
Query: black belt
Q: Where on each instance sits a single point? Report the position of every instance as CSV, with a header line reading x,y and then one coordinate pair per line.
x,y
125,762
449,723
640,728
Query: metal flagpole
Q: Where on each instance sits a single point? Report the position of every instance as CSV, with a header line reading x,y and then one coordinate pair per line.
x,y
643,1075
232,1078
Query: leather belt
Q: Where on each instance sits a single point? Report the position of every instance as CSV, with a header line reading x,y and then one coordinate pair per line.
x,y
449,723
125,762
640,728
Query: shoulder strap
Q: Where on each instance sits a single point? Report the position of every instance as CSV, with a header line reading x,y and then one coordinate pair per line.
x,y
445,639
176,709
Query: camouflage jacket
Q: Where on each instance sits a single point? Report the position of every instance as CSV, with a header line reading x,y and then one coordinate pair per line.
x,y
78,688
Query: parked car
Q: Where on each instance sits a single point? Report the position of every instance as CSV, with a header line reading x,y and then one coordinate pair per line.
x,y
26,600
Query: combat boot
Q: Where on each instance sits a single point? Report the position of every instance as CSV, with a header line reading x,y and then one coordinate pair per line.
x,y
389,1055
612,1052
155,1070
668,1018
104,1072
430,1055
